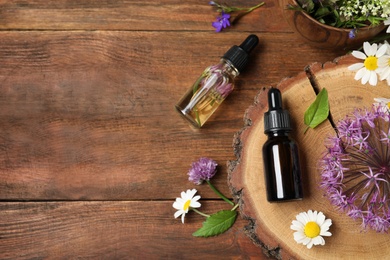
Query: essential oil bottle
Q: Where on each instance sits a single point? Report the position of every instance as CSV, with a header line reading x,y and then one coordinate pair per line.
x,y
280,153
215,84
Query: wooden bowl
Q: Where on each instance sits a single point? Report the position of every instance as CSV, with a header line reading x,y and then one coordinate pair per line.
x,y
325,36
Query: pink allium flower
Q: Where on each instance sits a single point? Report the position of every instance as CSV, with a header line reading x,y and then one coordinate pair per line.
x,y
356,168
202,170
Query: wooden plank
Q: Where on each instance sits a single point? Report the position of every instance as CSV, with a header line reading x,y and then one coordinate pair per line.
x,y
113,230
172,15
89,115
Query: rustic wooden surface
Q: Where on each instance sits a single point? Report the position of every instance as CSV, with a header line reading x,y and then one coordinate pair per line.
x,y
92,152
270,222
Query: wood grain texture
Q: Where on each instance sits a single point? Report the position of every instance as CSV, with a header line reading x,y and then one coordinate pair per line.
x,y
113,230
92,152
89,115
168,15
271,221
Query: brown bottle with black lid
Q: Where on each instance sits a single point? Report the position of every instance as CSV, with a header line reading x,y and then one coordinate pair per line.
x,y
280,153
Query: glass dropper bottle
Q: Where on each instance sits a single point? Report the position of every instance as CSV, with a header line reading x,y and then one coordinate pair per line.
x,y
282,169
215,84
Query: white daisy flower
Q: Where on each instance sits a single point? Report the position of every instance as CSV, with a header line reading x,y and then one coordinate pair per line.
x,y
384,64
185,203
310,228
367,70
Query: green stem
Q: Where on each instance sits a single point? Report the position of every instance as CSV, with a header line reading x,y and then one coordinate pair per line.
x,y
200,213
307,128
235,207
255,7
197,117
219,194
246,11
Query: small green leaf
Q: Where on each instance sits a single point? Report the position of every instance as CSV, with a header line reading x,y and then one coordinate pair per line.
x,y
318,111
217,223
307,5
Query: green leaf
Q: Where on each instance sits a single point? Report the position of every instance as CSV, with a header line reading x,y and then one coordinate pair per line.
x,y
217,223
307,5
318,111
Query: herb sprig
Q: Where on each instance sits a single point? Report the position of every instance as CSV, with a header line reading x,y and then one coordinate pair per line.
x,y
350,14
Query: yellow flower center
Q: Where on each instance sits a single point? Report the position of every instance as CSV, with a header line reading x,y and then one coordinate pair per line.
x,y
187,205
371,63
388,105
312,229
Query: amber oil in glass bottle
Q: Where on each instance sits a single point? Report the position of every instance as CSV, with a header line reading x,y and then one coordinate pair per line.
x,y
280,153
215,84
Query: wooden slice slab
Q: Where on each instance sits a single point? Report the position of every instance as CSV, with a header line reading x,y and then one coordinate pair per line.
x,y
269,223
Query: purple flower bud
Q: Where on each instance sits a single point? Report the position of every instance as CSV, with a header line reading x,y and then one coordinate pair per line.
x,y
202,170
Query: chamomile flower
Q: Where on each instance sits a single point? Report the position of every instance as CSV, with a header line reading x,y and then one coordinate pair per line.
x,y
185,203
384,64
310,227
367,70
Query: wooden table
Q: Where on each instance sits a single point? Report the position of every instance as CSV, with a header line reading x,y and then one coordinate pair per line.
x,y
92,151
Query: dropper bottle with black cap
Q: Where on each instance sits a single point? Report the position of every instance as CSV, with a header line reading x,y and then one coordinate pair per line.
x,y
280,153
215,84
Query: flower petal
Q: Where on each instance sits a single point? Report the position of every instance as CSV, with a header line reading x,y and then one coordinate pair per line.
x,y
374,48
320,218
191,193
367,48
326,234
195,204
318,240
385,74
299,237
381,51
327,223
356,66
360,73
302,217
359,55
297,225
178,213
177,205
310,244
366,77
373,78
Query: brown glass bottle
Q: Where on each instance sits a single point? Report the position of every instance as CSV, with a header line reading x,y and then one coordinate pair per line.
x,y
282,170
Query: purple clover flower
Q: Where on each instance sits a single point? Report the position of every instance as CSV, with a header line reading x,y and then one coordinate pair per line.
x,y
221,22
356,168
202,170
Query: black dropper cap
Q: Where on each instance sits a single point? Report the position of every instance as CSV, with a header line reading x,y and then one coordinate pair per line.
x,y
238,55
276,119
